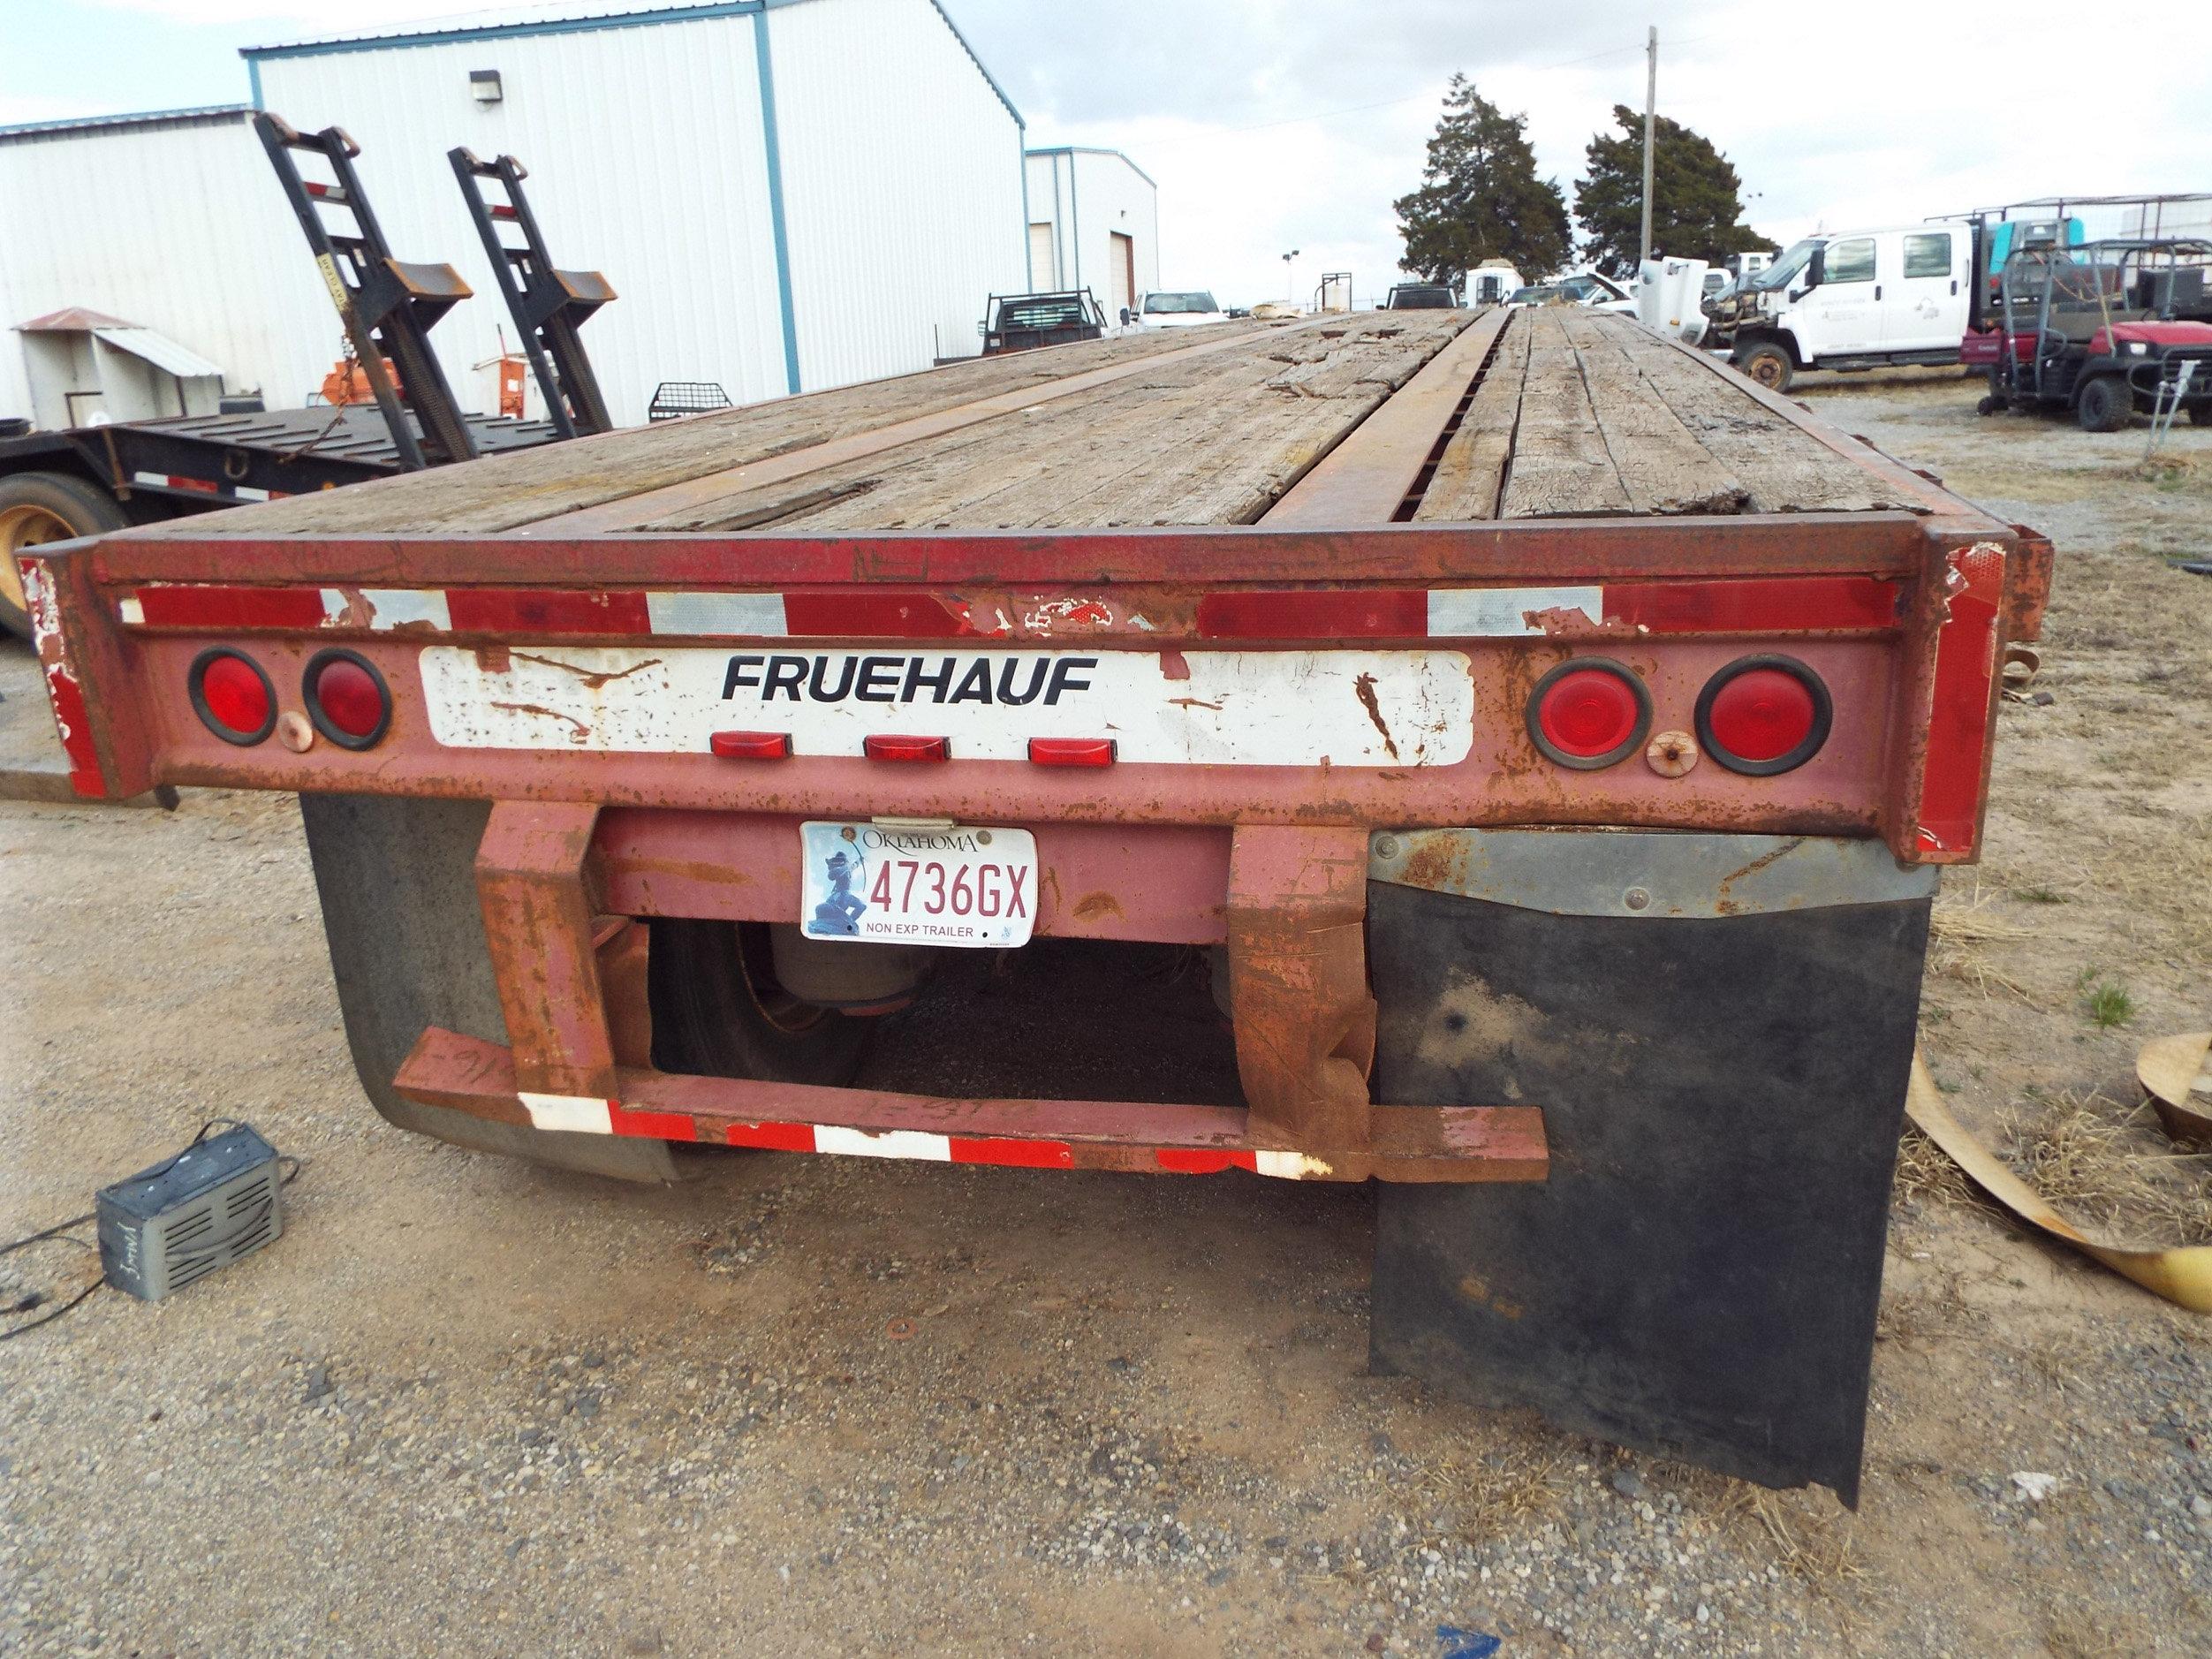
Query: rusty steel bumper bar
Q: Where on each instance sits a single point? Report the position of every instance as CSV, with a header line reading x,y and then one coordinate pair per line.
x,y
571,983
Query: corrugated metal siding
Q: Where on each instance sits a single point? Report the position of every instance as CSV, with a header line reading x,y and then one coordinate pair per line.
x,y
902,186
1113,197
180,228
1087,197
646,163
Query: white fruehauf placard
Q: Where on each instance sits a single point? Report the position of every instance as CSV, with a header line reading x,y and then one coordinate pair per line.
x,y
1396,709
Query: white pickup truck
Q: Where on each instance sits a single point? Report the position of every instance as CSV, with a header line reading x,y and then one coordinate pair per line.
x,y
1850,300
1173,308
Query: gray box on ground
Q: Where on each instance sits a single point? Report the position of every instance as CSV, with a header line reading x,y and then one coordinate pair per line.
x,y
216,1201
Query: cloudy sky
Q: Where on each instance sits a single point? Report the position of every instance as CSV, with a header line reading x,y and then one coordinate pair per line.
x,y
1274,124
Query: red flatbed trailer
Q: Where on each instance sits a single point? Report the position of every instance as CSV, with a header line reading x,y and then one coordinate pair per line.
x,y
1553,737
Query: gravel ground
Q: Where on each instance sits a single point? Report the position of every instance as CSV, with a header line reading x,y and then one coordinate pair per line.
x,y
805,1405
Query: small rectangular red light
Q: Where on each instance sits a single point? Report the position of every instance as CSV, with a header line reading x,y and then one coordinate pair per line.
x,y
882,747
750,745
1071,751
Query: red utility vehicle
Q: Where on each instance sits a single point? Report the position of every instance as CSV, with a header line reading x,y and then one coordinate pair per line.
x,y
2103,328
1550,739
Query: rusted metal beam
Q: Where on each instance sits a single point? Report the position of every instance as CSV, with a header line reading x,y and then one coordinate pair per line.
x,y
1298,983
1423,1144
541,923
1379,462
1748,544
1166,883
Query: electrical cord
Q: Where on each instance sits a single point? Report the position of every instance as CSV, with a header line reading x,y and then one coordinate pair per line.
x,y
60,1230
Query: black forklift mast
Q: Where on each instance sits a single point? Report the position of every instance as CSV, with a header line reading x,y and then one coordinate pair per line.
x,y
387,305
549,304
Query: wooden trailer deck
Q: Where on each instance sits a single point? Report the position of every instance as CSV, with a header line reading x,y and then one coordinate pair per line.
x,y
1526,414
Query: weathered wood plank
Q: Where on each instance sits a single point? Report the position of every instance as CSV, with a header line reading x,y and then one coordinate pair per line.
x,y
1560,463
1211,441
1661,465
502,492
1471,473
1782,467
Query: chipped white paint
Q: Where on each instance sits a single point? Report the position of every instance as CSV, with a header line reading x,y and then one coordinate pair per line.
x,y
1291,1166
1489,613
574,1113
129,612
891,1143
45,639
1397,709
1049,614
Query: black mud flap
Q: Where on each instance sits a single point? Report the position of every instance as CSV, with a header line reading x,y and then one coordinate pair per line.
x,y
1719,1030
397,878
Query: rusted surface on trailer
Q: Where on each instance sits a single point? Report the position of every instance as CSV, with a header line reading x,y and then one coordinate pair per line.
x,y
1412,517
1419,1145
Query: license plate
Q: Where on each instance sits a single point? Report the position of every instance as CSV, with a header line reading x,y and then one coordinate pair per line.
x,y
918,885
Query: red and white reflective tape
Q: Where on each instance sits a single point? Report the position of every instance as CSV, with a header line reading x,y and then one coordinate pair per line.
x,y
1768,604
583,1114
206,487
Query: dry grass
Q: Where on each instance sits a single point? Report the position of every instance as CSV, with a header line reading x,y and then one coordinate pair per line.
x,y
1960,933
1813,1547
2108,1165
1926,1173
2075,1627
1499,1491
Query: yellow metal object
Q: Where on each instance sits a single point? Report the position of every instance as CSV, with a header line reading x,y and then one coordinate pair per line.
x,y
2183,1275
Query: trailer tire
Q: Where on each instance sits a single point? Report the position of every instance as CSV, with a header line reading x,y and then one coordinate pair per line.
x,y
2200,414
2105,404
41,507
1766,362
718,1012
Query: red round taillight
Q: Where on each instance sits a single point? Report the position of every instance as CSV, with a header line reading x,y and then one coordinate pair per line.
x,y
231,696
346,699
1763,714
1589,712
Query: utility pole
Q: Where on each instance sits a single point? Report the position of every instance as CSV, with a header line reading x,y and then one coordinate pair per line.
x,y
1651,106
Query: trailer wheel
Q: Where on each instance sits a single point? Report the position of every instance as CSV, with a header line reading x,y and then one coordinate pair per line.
x,y
1988,406
719,1010
2105,404
1767,363
40,507
2200,414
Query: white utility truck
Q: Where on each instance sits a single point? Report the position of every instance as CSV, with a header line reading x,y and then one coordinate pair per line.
x,y
1850,300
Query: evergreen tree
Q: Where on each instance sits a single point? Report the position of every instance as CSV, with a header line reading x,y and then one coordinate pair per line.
x,y
1479,197
1697,209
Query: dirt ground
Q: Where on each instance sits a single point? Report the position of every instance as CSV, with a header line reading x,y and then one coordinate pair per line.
x,y
813,1405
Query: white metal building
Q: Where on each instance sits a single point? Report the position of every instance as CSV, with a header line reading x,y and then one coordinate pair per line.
x,y
1095,223
170,222
786,195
